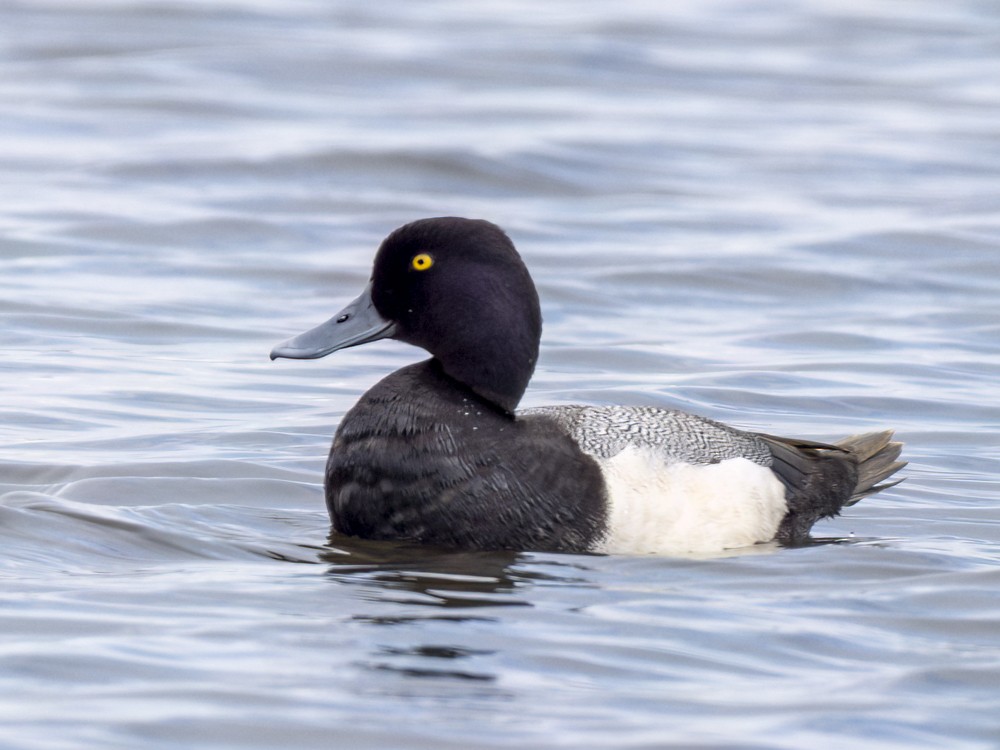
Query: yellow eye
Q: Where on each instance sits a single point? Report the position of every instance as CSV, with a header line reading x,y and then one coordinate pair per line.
x,y
421,262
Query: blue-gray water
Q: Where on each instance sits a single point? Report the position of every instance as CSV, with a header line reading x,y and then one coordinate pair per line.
x,y
783,215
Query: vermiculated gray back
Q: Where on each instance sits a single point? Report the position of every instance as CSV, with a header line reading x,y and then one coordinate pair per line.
x,y
605,431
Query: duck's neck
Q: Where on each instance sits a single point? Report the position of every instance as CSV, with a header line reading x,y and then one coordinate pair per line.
x,y
485,334
496,366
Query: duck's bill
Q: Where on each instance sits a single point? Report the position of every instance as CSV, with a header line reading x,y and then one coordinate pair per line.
x,y
358,323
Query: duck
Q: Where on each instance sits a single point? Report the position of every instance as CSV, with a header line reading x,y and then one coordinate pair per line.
x,y
437,452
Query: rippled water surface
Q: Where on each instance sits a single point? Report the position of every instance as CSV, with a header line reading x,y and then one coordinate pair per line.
x,y
785,216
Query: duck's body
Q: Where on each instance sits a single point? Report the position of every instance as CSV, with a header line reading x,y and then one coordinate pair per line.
x,y
435,453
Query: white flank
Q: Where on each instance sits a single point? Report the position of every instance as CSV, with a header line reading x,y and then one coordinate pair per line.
x,y
679,508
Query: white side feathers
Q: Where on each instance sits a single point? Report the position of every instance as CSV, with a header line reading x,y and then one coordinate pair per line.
x,y
677,483
680,508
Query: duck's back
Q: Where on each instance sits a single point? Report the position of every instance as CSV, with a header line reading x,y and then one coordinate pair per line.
x,y
674,436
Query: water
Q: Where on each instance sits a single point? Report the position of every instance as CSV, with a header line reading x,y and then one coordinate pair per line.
x,y
783,215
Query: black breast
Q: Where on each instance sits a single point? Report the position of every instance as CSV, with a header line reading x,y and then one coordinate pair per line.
x,y
423,458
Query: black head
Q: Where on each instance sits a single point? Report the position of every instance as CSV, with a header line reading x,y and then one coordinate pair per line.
x,y
455,287
458,288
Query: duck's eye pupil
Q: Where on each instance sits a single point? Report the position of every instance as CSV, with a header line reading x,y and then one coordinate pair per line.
x,y
421,262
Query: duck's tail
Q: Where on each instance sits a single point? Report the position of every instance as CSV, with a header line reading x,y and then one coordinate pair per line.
x,y
876,454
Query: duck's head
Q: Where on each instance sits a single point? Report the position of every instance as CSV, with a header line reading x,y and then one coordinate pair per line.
x,y
455,287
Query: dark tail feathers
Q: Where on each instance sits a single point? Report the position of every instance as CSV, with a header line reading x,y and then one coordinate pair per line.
x,y
819,476
876,454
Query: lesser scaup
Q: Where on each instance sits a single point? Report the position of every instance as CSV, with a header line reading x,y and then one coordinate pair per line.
x,y
435,453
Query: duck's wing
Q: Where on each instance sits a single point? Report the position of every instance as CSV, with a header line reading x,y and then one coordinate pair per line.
x,y
676,436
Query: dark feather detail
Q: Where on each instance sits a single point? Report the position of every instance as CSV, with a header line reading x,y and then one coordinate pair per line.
x,y
417,458
821,479
876,453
